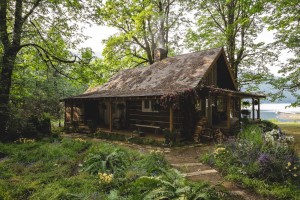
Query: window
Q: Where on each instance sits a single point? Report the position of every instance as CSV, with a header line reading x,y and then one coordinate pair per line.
x,y
199,105
150,105
220,104
146,104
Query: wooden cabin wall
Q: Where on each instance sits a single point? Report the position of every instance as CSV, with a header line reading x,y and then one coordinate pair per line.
x,y
161,118
77,112
67,111
224,79
211,78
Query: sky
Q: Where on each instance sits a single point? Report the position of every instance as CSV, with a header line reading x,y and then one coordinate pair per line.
x,y
99,33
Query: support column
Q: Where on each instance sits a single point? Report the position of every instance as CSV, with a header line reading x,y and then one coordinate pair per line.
x,y
228,111
253,109
209,110
65,115
110,116
72,111
171,119
258,108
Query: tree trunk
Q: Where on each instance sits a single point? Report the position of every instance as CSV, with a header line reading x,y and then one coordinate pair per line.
x,y
7,65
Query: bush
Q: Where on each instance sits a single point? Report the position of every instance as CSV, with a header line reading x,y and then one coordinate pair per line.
x,y
267,125
267,157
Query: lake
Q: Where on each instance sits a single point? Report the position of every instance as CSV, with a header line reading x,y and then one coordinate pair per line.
x,y
279,111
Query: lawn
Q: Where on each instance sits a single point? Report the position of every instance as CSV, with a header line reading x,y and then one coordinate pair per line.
x,y
78,169
293,129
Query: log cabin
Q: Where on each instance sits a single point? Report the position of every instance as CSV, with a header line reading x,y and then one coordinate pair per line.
x,y
184,93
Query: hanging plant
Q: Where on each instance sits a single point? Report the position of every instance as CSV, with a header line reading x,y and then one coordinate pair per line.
x,y
245,103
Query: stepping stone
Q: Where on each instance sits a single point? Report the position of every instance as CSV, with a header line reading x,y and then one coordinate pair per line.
x,y
200,172
186,164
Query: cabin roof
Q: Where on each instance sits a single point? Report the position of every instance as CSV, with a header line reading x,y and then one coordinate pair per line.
x,y
170,75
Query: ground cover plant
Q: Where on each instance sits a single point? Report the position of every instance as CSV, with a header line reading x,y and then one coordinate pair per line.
x,y
265,162
78,169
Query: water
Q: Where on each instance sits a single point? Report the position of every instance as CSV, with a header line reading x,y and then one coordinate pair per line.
x,y
279,111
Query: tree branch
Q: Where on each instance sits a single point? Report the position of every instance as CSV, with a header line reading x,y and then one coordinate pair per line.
x,y
36,4
48,53
3,24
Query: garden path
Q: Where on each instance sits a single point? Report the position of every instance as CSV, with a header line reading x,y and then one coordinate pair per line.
x,y
187,160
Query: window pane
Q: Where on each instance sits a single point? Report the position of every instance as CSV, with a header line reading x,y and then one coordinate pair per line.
x,y
146,104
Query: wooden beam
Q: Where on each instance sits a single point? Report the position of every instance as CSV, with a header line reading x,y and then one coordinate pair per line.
x,y
110,116
209,110
72,111
228,111
65,115
258,108
171,119
253,109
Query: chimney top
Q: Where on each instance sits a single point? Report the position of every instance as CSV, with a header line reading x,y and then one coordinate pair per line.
x,y
160,54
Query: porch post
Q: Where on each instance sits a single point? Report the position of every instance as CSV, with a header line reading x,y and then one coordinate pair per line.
x,y
72,110
65,115
209,109
258,108
228,111
110,115
253,109
171,119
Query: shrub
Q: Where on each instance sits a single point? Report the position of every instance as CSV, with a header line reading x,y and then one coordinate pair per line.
x,y
267,125
108,160
171,185
267,157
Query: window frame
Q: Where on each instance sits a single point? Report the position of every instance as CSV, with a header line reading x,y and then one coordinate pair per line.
x,y
150,109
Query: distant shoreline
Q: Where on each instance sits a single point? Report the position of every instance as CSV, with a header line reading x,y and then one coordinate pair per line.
x,y
290,116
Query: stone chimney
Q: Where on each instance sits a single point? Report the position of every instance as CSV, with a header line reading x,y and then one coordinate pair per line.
x,y
160,54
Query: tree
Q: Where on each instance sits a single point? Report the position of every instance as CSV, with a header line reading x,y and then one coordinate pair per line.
x,y
45,27
143,25
284,18
234,24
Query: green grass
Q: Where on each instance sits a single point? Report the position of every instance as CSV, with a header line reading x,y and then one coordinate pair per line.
x,y
72,169
293,129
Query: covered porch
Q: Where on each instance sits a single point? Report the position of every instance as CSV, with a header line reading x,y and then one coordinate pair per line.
x,y
118,115
224,110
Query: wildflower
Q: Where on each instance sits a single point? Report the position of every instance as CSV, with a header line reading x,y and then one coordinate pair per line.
x,y
289,163
295,175
295,168
220,150
105,178
264,159
80,140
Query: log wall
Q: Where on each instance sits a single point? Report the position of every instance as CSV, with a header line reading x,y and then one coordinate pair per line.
x,y
161,118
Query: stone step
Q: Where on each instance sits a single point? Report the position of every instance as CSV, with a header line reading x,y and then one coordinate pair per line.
x,y
186,164
200,173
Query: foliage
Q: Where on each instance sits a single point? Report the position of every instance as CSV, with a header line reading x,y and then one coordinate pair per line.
x,y
171,185
37,44
257,157
62,169
267,125
114,162
283,19
170,137
143,26
234,24
33,127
